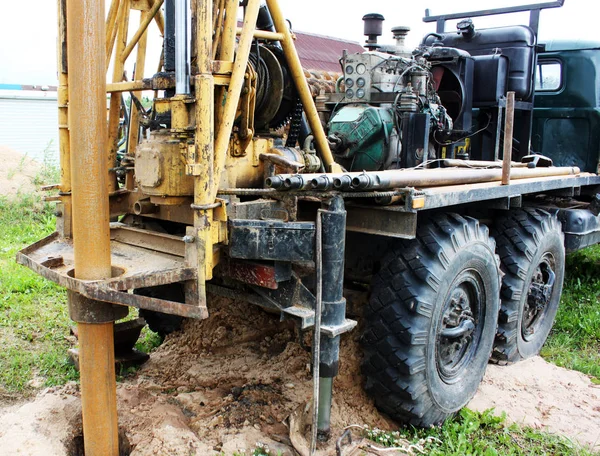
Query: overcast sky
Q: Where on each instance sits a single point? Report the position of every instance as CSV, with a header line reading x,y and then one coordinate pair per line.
x,y
28,32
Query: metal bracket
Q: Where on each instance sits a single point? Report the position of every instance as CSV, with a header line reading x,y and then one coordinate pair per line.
x,y
334,331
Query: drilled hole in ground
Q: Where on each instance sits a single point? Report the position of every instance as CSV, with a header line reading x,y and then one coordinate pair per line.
x,y
75,445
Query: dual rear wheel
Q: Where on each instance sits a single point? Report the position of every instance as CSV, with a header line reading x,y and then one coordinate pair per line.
x,y
446,302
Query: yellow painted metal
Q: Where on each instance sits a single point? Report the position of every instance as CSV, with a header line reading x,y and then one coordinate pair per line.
x,y
134,123
218,15
234,90
64,227
243,168
160,22
63,133
297,73
141,5
227,46
160,167
115,98
124,86
264,35
162,105
180,116
146,18
418,202
91,234
202,156
111,27
122,12
222,67
226,52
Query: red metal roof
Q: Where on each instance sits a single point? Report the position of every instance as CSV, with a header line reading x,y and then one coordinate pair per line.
x,y
318,52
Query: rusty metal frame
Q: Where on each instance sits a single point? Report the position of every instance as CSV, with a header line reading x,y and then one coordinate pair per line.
x,y
115,290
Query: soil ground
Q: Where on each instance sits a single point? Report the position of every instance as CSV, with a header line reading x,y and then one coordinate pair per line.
x,y
224,384
17,172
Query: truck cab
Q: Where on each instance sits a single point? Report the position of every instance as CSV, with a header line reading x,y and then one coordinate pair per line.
x,y
566,116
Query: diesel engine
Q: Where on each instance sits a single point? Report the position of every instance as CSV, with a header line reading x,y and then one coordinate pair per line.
x,y
401,109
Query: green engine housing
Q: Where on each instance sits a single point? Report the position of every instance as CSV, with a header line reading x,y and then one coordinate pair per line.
x,y
361,136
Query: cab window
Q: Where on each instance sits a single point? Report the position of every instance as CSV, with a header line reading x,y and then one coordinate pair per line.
x,y
548,77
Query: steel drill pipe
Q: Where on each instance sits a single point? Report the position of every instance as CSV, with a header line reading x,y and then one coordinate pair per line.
x,y
321,183
182,67
342,182
456,163
376,180
86,50
435,178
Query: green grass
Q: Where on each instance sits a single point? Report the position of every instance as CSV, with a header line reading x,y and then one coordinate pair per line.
x,y
34,321
474,433
33,315
148,340
574,342
49,172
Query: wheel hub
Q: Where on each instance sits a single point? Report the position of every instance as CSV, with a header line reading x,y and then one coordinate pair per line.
x,y
458,324
538,296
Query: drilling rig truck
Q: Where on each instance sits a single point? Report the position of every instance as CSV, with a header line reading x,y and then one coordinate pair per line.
x,y
448,180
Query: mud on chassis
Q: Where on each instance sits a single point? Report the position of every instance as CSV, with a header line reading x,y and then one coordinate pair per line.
x,y
194,214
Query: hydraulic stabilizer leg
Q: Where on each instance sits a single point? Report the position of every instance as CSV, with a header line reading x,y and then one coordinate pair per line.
x,y
334,305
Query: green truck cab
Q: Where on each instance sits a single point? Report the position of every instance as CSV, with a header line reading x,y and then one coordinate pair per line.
x,y
566,120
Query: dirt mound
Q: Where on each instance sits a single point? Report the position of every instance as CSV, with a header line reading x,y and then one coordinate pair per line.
x,y
239,373
17,172
541,395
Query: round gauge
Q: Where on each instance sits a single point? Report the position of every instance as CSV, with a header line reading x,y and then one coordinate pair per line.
x,y
360,82
349,93
360,93
350,69
349,83
361,68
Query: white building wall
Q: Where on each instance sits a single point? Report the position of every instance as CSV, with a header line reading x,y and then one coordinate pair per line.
x,y
29,125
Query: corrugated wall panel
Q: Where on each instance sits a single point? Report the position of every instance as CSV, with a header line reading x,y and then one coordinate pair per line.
x,y
30,126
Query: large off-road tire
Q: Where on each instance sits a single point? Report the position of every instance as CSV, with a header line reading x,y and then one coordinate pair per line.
x,y
159,322
530,243
431,321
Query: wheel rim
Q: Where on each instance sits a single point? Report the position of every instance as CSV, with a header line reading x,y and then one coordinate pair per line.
x,y
538,296
459,328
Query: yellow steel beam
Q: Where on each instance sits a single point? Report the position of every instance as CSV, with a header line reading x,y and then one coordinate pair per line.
x,y
203,156
218,15
134,120
264,35
115,98
160,22
63,122
227,48
145,20
112,26
234,91
226,51
127,86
